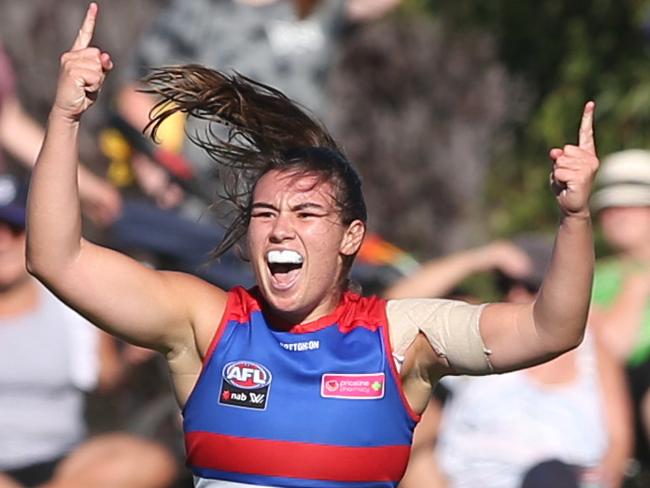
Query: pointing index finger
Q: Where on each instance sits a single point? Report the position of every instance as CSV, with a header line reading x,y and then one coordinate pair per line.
x,y
586,133
87,28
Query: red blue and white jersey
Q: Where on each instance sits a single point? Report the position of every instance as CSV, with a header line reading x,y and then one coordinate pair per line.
x,y
320,405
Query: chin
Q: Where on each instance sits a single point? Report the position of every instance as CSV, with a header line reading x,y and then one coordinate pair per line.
x,y
282,302
289,307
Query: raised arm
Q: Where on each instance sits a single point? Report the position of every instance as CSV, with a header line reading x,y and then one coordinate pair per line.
x,y
521,335
143,306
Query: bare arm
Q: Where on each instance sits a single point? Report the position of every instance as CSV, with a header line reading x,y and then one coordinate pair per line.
x,y
20,135
438,277
522,335
143,306
514,336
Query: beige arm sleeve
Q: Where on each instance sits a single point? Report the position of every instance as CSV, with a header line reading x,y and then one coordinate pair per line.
x,y
452,328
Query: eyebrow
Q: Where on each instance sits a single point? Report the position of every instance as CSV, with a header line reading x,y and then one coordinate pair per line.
x,y
306,206
263,205
295,208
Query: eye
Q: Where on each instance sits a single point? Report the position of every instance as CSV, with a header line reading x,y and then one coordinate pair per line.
x,y
307,215
262,214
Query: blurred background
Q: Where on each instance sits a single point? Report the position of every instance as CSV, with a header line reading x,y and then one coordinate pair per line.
x,y
447,108
451,106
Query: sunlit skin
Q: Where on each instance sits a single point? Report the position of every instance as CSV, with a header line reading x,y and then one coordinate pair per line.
x,y
627,229
297,212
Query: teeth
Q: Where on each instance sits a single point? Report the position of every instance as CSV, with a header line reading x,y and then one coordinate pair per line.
x,y
284,257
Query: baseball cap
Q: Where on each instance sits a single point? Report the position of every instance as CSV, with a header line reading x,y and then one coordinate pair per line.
x,y
623,180
13,200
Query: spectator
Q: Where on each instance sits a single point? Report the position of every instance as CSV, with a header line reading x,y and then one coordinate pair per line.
x,y
622,281
42,387
559,424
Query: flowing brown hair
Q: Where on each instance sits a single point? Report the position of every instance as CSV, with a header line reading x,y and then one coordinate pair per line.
x,y
265,131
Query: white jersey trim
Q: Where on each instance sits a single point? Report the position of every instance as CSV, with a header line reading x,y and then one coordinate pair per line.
x,y
207,483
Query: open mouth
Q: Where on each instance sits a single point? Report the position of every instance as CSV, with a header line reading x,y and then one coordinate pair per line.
x,y
285,266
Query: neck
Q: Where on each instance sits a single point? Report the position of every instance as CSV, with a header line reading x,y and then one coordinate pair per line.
x,y
283,320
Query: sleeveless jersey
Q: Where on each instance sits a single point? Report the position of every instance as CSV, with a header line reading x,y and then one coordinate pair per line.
x,y
320,405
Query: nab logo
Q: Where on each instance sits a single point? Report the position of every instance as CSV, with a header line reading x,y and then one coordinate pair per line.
x,y
245,384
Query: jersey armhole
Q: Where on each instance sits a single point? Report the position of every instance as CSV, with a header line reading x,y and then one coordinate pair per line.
x,y
231,303
393,368
232,311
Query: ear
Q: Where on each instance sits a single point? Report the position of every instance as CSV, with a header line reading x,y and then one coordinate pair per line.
x,y
352,238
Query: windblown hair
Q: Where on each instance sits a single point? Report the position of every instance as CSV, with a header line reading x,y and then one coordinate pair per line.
x,y
265,131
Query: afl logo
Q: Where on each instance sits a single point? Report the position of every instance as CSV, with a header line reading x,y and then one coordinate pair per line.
x,y
246,375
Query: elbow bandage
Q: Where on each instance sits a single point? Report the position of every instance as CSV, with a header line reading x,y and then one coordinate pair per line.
x,y
452,328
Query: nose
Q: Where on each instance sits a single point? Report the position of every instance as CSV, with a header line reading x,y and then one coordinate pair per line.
x,y
282,229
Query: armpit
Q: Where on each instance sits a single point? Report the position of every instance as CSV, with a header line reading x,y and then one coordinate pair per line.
x,y
452,328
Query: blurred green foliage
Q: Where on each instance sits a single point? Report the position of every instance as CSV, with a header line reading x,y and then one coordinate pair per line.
x,y
566,52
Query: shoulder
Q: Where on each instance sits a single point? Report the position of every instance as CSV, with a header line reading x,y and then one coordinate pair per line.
x,y
420,312
433,316
451,328
205,303
357,310
241,303
195,289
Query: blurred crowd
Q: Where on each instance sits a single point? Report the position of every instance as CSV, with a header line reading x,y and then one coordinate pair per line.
x,y
80,408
